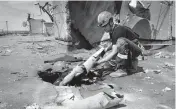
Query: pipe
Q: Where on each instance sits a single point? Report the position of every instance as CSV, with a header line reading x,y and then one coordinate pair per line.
x,y
80,69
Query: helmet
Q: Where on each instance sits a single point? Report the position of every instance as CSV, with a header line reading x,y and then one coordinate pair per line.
x,y
103,18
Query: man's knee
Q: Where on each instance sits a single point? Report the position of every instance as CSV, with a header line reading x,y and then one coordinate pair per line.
x,y
121,42
122,46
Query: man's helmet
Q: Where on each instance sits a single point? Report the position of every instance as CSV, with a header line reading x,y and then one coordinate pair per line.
x,y
103,18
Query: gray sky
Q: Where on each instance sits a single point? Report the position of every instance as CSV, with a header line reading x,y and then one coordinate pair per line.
x,y
15,12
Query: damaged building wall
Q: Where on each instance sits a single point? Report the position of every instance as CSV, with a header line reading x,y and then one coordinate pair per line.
x,y
83,16
76,21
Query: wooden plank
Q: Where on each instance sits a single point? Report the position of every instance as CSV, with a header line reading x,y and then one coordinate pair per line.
x,y
157,42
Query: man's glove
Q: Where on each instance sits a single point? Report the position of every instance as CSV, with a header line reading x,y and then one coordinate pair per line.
x,y
103,53
95,64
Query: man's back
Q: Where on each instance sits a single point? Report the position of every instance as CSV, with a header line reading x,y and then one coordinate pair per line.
x,y
122,31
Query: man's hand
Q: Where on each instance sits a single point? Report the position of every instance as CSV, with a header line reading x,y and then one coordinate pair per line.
x,y
96,64
103,53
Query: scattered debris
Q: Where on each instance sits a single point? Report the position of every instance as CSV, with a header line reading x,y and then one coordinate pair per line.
x,y
168,65
166,89
33,106
157,71
163,55
6,52
3,105
150,71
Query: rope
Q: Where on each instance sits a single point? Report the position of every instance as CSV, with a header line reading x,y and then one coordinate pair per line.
x,y
159,16
163,18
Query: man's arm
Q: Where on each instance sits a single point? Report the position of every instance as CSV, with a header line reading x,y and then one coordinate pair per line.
x,y
108,48
110,55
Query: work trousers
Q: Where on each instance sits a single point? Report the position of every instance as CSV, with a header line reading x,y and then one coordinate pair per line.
x,y
126,58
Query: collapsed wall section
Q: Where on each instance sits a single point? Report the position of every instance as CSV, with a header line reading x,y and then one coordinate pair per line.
x,y
76,21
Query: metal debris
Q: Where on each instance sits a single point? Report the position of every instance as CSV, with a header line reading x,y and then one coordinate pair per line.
x,y
118,73
6,52
101,100
148,70
168,65
157,71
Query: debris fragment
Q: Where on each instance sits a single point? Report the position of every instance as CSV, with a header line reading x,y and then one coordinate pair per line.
x,y
147,77
163,55
166,89
33,106
169,64
39,46
148,70
67,95
157,55
118,73
15,72
7,52
157,71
